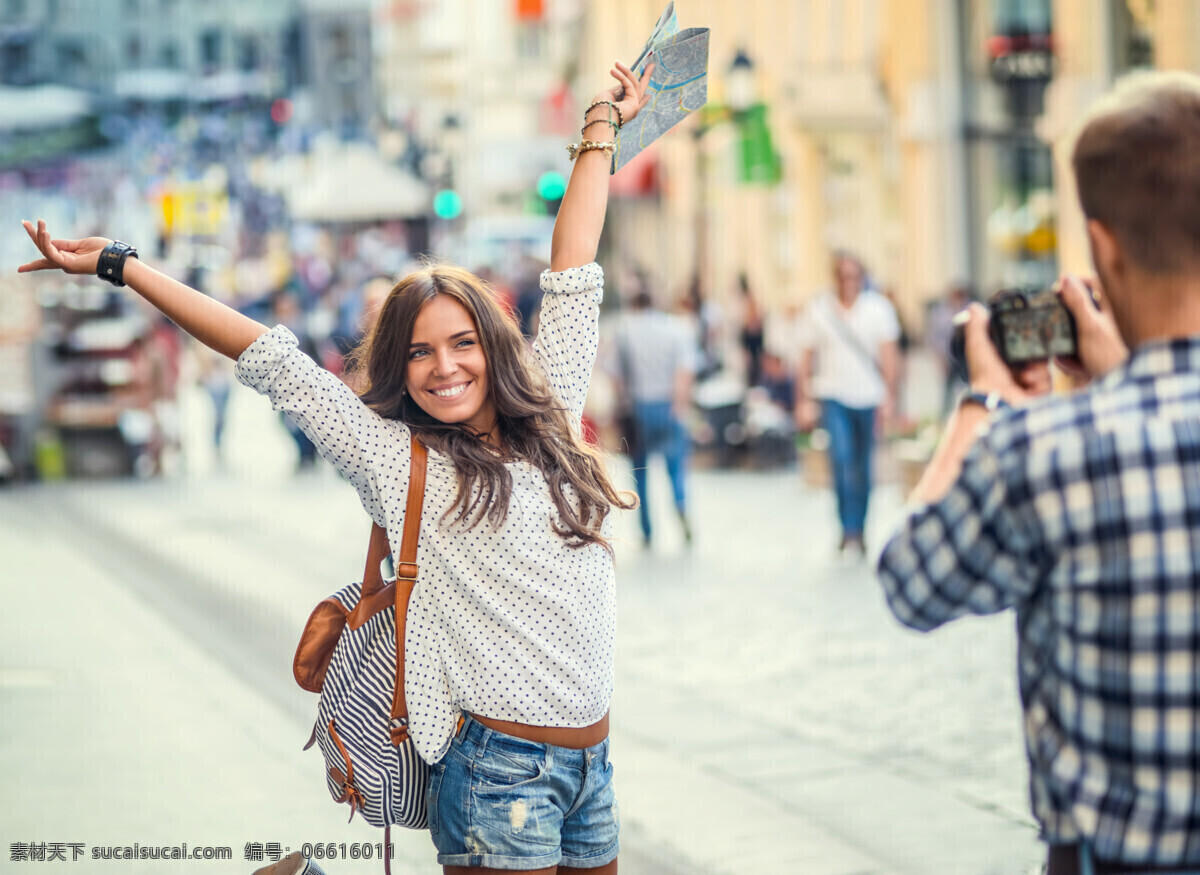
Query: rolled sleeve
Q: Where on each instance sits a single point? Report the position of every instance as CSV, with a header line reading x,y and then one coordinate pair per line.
x,y
568,332
973,552
347,433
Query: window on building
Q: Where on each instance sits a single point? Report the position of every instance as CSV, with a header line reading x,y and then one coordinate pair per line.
x,y
71,60
1132,35
133,50
340,43
210,48
14,10
531,40
169,56
16,64
295,69
248,54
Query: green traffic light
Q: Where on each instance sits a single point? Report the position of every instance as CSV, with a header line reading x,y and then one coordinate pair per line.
x,y
447,204
551,185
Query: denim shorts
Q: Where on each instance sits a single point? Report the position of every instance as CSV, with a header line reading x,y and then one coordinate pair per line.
x,y
505,803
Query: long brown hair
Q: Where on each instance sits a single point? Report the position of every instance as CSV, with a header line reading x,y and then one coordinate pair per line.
x,y
532,424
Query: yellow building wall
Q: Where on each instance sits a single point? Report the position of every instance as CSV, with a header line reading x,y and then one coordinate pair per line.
x,y
781,236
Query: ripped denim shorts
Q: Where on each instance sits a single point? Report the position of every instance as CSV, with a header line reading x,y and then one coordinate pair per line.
x,y
505,803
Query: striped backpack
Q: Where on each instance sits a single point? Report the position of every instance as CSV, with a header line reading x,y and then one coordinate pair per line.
x,y
352,653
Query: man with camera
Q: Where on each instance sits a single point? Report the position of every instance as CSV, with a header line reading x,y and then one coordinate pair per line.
x,y
1082,512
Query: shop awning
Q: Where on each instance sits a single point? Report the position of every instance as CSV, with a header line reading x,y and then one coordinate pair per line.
x,y
42,106
351,183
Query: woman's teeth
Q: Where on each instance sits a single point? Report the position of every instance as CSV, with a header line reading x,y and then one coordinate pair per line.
x,y
450,393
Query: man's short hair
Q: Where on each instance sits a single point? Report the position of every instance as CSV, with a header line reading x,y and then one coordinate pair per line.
x,y
1137,168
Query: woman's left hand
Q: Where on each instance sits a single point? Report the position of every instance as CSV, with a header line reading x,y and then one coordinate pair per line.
x,y
630,94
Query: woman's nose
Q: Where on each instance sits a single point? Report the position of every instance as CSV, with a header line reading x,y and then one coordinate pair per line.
x,y
444,363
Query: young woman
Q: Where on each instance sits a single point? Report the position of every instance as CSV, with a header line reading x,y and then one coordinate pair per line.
x,y
511,623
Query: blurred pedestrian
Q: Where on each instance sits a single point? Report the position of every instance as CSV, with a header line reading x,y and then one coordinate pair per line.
x,y
517,589
655,364
1079,510
904,342
847,382
751,334
528,300
938,333
216,377
285,311
704,319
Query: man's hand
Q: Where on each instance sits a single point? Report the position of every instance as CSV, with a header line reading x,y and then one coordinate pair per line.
x,y
987,372
808,415
1100,346
885,416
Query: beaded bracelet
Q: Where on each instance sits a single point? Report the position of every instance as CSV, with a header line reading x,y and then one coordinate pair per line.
x,y
620,115
577,149
600,121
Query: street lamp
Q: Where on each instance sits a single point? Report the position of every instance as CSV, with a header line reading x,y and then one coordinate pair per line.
x,y
741,98
741,88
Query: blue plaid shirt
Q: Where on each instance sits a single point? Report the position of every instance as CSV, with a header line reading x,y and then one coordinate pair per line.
x,y
1083,513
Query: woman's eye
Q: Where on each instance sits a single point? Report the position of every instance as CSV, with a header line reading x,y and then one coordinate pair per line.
x,y
466,342
416,353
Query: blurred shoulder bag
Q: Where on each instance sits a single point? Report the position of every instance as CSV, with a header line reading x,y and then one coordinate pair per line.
x,y
352,653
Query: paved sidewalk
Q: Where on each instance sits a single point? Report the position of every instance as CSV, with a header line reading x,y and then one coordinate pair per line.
x,y
769,716
120,731
171,744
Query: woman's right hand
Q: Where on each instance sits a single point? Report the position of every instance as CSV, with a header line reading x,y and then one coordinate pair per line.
x,y
70,256
629,95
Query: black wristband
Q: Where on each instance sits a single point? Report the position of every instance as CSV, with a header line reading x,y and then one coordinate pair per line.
x,y
111,265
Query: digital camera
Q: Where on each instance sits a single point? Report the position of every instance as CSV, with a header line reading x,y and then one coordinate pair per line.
x,y
1026,325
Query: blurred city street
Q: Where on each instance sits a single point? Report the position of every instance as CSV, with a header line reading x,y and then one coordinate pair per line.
x,y
826,184
770,716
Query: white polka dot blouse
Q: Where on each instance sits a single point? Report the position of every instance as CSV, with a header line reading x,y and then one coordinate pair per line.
x,y
508,622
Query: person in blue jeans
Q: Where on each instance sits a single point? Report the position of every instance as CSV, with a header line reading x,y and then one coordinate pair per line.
x,y
849,369
851,444
656,361
658,430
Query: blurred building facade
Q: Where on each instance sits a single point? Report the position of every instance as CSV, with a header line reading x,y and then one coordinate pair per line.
x,y
930,136
927,135
160,52
94,44
476,94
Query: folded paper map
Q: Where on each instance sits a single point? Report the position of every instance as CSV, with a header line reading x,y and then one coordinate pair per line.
x,y
678,86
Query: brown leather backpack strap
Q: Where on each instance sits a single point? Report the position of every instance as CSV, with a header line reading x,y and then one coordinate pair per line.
x,y
377,551
407,569
406,577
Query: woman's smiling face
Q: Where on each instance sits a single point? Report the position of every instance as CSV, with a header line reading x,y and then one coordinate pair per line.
x,y
447,369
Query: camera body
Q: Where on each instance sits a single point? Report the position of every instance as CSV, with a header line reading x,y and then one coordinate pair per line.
x,y
1025,325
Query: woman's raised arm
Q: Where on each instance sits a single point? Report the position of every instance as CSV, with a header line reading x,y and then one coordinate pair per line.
x,y
581,215
206,319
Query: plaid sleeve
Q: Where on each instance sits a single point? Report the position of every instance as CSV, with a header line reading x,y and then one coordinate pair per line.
x,y
974,552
